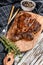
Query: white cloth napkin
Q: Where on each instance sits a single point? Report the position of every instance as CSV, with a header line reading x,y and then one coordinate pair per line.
x,y
34,56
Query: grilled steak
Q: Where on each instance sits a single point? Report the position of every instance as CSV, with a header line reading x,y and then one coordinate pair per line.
x,y
23,27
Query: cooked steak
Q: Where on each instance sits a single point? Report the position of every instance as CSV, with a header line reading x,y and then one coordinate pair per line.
x,y
23,27
26,36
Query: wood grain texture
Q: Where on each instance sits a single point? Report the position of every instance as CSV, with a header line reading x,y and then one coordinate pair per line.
x,y
27,45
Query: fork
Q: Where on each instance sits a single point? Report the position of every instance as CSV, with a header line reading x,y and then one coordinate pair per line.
x,y
11,13
4,31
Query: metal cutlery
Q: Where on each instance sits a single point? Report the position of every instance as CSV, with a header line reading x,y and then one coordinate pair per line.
x,y
9,21
11,13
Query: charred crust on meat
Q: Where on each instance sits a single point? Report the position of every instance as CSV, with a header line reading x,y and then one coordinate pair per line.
x,y
24,27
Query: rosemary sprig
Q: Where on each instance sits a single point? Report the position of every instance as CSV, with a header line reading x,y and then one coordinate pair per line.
x,y
9,46
4,44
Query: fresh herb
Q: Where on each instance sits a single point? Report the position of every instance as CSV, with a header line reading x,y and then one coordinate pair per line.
x,y
9,46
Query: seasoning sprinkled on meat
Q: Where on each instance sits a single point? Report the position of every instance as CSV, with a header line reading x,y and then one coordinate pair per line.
x,y
24,27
